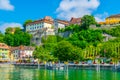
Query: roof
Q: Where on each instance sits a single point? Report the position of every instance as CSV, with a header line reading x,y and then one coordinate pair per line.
x,y
22,48
75,20
46,19
114,16
62,21
4,46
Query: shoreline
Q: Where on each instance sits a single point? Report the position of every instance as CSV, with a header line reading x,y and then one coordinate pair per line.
x,y
69,66
62,66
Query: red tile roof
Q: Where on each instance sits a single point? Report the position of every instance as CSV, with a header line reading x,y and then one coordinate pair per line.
x,y
63,21
22,48
75,21
4,46
114,16
46,19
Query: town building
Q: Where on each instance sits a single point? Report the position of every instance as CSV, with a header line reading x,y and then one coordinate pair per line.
x,y
60,23
15,52
46,22
75,21
22,52
4,52
40,28
47,26
113,19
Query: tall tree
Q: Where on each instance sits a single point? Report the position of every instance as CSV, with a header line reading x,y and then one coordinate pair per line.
x,y
42,54
87,20
26,22
64,51
12,30
86,37
16,37
50,41
1,37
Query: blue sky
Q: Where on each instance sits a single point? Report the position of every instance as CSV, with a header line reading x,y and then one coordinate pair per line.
x,y
15,12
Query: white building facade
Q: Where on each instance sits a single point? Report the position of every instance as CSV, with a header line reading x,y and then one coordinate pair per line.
x,y
45,23
44,27
60,23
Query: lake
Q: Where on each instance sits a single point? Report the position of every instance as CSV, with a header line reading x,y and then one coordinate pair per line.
x,y
42,74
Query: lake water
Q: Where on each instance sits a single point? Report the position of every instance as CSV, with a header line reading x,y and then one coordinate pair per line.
x,y
42,74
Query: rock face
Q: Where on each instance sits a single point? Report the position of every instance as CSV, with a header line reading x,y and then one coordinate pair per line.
x,y
65,34
37,37
107,37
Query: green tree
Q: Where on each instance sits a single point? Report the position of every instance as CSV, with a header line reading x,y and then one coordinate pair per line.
x,y
114,31
9,39
12,30
86,37
76,54
64,51
87,20
8,30
42,54
1,37
26,22
51,41
16,37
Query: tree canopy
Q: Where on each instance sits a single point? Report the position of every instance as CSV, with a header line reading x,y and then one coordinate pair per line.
x,y
86,37
27,22
64,51
114,31
87,20
1,37
42,54
16,37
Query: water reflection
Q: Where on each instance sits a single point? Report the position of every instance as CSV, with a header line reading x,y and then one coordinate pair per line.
x,y
35,74
66,75
98,76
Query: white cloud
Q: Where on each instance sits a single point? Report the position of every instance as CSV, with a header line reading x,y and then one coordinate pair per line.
x,y
6,25
101,17
76,8
5,5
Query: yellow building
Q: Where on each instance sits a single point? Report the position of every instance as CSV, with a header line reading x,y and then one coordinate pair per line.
x,y
4,52
113,19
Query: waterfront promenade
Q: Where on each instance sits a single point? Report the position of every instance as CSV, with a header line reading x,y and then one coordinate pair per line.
x,y
50,65
69,65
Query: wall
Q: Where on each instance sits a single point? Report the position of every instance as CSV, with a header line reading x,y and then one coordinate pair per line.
x,y
47,25
34,27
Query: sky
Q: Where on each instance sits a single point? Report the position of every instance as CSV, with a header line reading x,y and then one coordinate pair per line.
x,y
15,12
